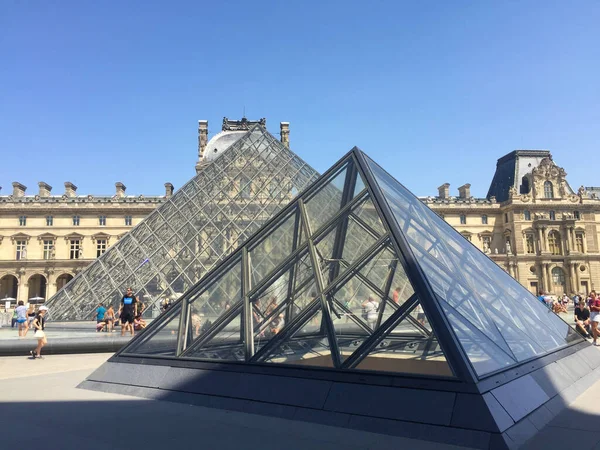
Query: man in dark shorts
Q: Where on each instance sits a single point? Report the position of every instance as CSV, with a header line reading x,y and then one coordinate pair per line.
x,y
128,311
582,319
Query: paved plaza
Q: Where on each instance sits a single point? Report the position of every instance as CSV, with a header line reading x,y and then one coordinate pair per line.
x,y
41,399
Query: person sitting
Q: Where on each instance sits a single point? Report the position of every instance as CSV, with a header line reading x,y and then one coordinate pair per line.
x,y
582,319
139,323
558,307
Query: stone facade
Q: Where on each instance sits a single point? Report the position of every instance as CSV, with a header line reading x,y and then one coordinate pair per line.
x,y
45,239
531,223
543,233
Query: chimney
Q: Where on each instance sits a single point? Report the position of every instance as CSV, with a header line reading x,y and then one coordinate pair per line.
x,y
120,193
444,191
70,189
19,189
202,142
168,190
284,128
45,189
465,191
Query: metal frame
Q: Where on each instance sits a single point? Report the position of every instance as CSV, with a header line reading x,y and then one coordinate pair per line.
x,y
328,283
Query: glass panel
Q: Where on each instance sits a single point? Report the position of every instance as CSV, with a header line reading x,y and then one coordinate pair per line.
x,y
367,213
487,304
215,300
302,349
225,343
326,202
406,349
273,249
163,340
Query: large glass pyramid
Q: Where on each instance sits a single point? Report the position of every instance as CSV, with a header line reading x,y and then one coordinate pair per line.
x,y
204,221
357,274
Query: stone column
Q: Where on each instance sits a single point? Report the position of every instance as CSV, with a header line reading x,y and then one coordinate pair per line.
x,y
23,288
577,283
547,277
540,244
566,237
50,283
545,240
572,277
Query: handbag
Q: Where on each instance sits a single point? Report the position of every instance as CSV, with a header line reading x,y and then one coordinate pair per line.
x,y
39,334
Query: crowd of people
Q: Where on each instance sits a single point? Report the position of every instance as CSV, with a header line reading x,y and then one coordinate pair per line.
x,y
129,315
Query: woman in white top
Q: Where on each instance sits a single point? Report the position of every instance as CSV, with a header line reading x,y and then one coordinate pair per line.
x,y
370,308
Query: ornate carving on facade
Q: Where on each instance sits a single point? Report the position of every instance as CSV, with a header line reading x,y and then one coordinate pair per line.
x,y
547,170
241,125
512,192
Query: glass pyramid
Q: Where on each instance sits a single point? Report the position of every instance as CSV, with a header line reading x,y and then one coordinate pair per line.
x,y
357,274
184,238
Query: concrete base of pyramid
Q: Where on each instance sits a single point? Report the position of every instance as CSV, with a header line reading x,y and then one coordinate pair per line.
x,y
503,414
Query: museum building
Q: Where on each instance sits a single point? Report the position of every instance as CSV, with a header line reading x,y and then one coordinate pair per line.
x,y
532,223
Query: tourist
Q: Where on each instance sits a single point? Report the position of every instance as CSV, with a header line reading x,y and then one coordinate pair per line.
x,y
21,311
13,322
139,323
128,311
565,300
272,306
370,308
541,298
196,323
100,312
40,334
31,313
594,315
582,319
558,307
109,318
276,324
396,295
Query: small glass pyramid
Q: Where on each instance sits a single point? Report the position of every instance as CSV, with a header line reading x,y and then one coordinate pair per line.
x,y
357,274
184,238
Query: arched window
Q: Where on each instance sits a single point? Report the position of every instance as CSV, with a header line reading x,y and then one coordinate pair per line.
x,y
484,219
554,243
525,185
552,215
558,276
548,190
526,215
463,219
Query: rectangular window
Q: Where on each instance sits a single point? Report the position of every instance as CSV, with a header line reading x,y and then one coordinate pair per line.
x,y
526,215
463,219
552,215
21,250
102,221
576,215
128,221
48,249
467,237
484,219
75,221
530,244
22,221
579,242
100,247
75,249
49,221
506,217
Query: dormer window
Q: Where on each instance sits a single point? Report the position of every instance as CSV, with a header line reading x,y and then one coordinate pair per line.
x,y
548,190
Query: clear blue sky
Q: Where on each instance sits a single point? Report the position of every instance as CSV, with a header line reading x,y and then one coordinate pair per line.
x,y
96,92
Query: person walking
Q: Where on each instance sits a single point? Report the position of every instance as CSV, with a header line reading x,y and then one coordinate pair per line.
x,y
128,311
21,311
40,334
